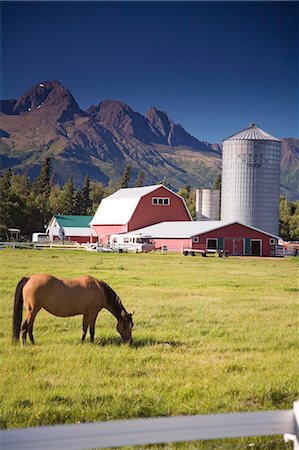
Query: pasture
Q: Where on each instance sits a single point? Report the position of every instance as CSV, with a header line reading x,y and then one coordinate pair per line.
x,y
211,335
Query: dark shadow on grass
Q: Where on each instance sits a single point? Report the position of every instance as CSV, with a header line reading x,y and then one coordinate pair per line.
x,y
137,343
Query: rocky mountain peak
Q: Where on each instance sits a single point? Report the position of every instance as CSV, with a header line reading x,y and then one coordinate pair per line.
x,y
161,122
48,98
112,113
171,133
118,115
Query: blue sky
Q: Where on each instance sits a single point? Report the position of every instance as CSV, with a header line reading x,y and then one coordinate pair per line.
x,y
213,66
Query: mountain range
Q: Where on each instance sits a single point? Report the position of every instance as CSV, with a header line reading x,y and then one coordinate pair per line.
x,y
101,141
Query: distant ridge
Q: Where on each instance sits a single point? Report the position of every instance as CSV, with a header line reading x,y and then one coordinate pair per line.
x,y
47,121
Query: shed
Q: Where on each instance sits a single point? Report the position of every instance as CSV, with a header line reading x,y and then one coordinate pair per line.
x,y
233,237
132,208
71,228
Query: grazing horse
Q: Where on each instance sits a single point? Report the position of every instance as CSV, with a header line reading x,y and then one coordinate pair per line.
x,y
64,298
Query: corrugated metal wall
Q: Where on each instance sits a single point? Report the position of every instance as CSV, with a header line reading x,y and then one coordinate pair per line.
x,y
251,182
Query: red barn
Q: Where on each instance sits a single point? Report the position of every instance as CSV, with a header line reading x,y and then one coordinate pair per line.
x,y
132,208
233,237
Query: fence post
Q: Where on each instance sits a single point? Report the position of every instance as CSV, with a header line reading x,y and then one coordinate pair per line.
x,y
296,415
288,437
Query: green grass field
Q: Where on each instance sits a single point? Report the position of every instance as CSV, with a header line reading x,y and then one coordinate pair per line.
x,y
211,335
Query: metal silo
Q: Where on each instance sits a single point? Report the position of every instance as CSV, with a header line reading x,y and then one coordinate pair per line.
x,y
251,179
207,204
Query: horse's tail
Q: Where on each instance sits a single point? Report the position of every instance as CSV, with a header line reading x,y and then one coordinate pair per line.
x,y
18,309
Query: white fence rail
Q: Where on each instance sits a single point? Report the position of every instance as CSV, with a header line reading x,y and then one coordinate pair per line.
x,y
155,430
39,245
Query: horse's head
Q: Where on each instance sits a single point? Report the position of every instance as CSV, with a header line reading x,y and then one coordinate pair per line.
x,y
124,326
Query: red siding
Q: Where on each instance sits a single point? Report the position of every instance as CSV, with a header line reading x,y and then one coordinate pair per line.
x,y
79,239
148,214
233,239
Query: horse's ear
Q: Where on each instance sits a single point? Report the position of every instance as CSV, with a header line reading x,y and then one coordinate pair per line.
x,y
123,313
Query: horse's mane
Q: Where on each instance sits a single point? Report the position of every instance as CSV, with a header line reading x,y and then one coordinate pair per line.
x,y
113,300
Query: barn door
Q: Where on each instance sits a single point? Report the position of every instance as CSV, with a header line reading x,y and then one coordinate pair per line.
x,y
247,246
220,244
238,246
255,247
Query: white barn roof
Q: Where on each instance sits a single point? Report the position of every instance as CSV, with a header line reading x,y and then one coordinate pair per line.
x,y
177,230
118,208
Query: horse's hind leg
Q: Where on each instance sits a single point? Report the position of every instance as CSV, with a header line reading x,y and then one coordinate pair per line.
x,y
28,325
24,331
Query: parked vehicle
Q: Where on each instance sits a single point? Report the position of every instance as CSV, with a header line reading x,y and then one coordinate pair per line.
x,y
42,238
134,242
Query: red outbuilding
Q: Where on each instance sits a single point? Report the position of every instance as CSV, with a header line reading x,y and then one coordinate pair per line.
x,y
231,237
132,208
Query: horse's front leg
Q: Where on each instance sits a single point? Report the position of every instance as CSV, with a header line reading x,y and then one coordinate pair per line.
x,y
84,327
92,325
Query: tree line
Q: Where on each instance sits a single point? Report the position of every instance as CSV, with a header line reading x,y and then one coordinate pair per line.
x,y
29,205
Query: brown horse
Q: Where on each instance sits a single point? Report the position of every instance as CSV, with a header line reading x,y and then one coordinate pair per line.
x,y
64,298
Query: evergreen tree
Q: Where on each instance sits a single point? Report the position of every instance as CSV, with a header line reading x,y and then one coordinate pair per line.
x,y
42,182
5,184
189,197
217,183
288,219
86,201
125,179
42,188
97,193
79,204
13,200
140,179
67,204
294,223
55,200
7,203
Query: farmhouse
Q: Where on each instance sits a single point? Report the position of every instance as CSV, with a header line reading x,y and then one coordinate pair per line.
x,y
233,237
71,228
133,208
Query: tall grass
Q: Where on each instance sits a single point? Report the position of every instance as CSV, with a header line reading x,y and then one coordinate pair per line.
x,y
211,335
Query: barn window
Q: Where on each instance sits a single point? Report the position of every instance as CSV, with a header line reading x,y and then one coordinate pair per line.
x,y
212,244
272,241
195,240
161,201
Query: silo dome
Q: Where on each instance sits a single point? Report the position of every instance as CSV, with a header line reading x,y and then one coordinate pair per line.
x,y
251,179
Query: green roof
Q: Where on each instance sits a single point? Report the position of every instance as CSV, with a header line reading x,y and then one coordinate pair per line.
x,y
73,221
